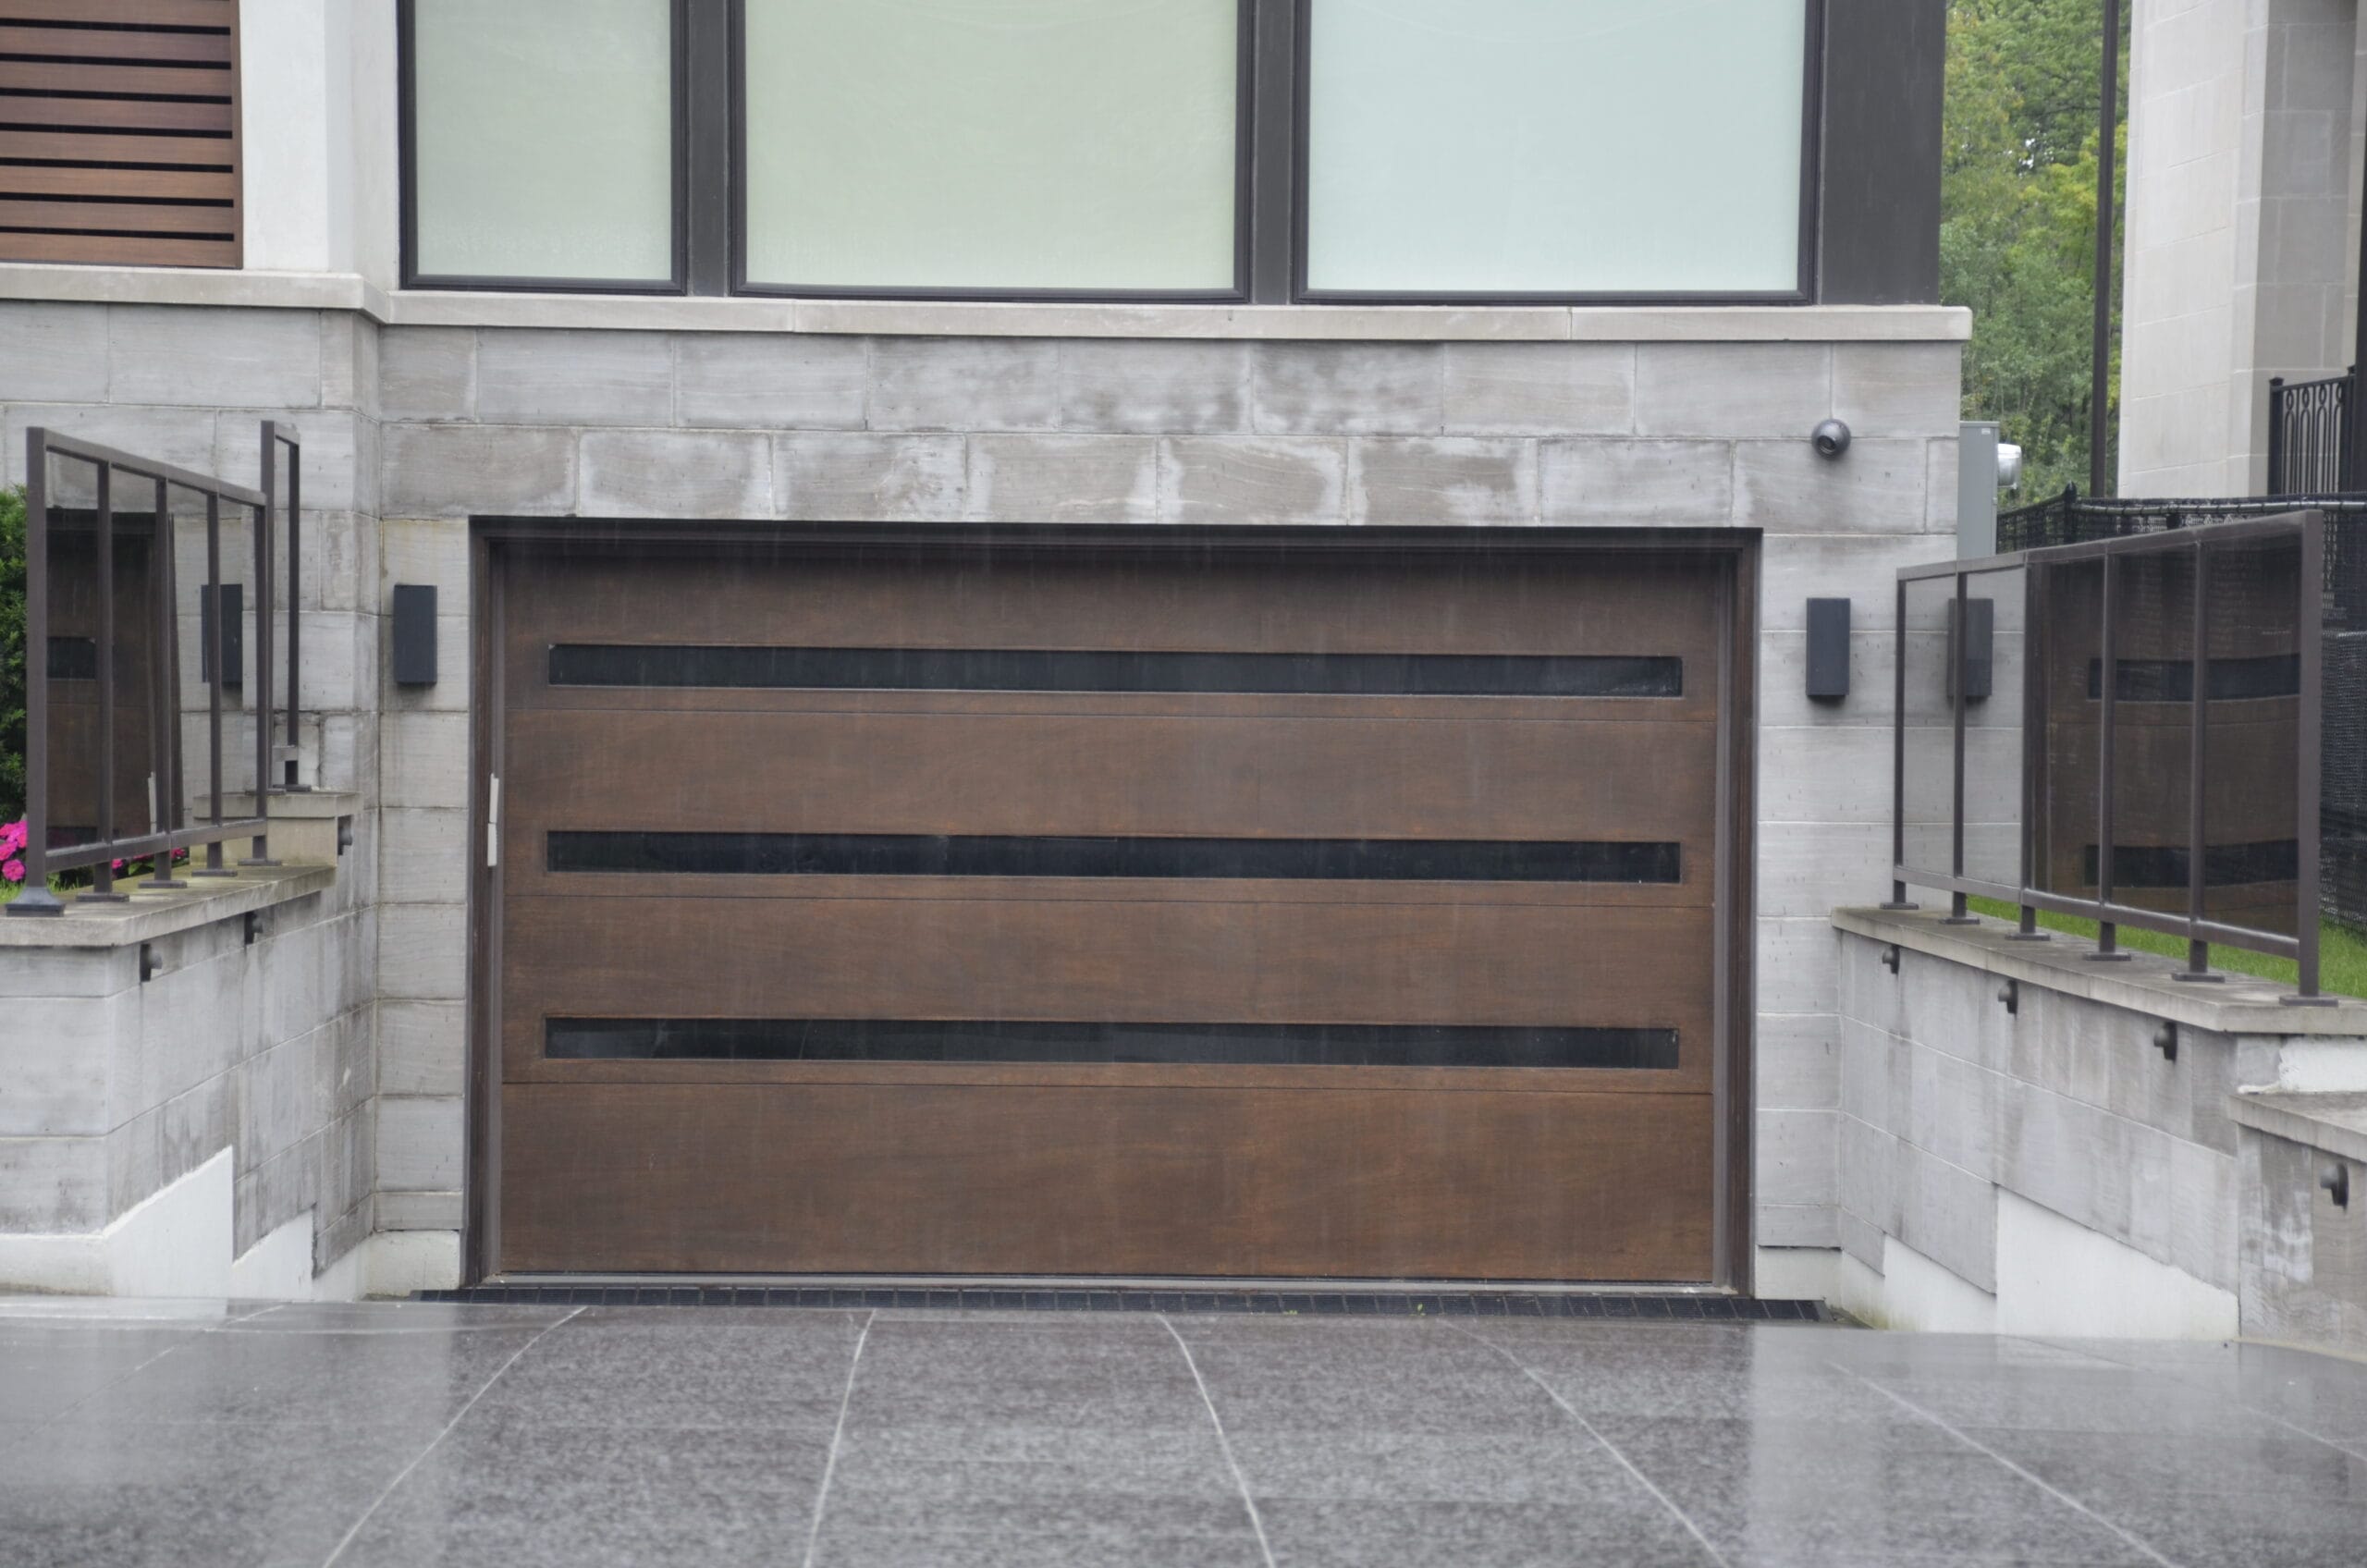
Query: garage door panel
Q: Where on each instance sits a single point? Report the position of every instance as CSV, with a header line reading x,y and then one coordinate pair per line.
x,y
1036,775
530,691
1378,963
1226,910
851,1178
526,876
1448,603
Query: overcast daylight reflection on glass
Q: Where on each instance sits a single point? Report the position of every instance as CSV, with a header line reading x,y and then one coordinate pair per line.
x,y
1554,146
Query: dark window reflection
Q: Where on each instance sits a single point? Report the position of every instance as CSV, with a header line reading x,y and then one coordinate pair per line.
x,y
896,854
1238,1045
1023,669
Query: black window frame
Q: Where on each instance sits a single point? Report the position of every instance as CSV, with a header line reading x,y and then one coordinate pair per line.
x,y
1272,123
1802,292
406,55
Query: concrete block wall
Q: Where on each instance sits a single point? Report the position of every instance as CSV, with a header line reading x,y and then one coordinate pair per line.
x,y
697,424
117,1087
270,1049
413,429
1965,1127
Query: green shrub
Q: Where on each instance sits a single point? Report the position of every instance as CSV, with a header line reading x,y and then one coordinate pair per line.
x,y
12,655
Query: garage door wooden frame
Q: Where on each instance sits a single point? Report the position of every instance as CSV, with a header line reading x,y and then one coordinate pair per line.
x,y
1735,551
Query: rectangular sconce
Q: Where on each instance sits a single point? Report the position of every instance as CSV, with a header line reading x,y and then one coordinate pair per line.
x,y
1828,649
1980,644
414,634
234,647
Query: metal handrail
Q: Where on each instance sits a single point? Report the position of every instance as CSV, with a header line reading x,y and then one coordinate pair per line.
x,y
2204,542
167,831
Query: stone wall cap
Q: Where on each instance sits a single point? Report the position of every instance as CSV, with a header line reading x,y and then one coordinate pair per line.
x,y
2337,1124
151,913
298,805
960,318
2242,1005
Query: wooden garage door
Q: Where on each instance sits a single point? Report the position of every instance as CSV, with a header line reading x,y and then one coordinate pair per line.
x,y
1304,913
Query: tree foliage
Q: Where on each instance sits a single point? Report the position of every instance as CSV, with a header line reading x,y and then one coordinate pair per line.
x,y
2017,226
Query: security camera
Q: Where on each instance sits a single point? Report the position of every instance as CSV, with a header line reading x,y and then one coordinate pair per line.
x,y
1832,438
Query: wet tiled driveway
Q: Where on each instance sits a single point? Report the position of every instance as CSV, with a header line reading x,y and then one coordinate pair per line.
x,y
519,1435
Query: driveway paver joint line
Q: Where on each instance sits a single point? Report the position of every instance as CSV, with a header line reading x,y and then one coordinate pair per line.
x,y
421,1457
837,1437
2340,1446
1608,1446
63,1411
2034,1480
1265,1548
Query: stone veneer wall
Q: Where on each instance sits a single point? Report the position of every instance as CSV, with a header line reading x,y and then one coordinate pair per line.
x,y
113,1087
438,424
1958,1118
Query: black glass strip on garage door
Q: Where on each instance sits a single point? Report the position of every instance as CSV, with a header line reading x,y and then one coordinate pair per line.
x,y
2172,681
2224,865
1033,670
1166,1044
901,854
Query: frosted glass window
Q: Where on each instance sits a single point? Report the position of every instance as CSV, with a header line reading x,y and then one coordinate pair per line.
x,y
1074,145
543,141
1555,146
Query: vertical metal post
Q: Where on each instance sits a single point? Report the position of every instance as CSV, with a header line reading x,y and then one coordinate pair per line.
x,y
2275,486
260,849
2309,626
2034,746
2099,365
1898,898
164,691
1959,913
36,898
271,439
103,870
2108,680
2198,779
214,636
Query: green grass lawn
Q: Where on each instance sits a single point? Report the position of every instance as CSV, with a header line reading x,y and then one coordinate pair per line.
x,y
2342,953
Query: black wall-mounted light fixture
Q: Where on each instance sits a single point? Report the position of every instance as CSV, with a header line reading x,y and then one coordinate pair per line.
x,y
1980,647
234,647
1828,650
414,610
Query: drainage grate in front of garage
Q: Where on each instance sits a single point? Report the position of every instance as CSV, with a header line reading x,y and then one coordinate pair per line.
x,y
1021,1298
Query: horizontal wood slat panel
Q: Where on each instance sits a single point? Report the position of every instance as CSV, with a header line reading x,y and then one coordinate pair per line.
x,y
142,217
162,82
851,1179
116,114
120,249
167,185
72,90
123,13
197,49
1228,778
101,147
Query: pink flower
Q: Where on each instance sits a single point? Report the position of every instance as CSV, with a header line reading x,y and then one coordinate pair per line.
x,y
118,865
14,871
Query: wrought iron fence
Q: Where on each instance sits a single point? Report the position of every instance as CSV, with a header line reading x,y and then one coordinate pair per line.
x,y
2168,736
2309,434
86,651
